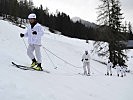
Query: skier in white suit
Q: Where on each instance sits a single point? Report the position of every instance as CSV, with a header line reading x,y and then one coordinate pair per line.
x,y
123,71
118,68
86,63
109,68
34,33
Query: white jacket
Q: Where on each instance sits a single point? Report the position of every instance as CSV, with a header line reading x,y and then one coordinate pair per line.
x,y
86,58
34,39
118,68
123,69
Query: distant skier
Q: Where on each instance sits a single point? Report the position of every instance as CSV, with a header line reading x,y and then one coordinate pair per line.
x,y
109,68
118,68
34,33
123,71
86,63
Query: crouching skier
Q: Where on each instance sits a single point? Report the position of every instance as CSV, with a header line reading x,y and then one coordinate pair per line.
x,y
86,63
34,33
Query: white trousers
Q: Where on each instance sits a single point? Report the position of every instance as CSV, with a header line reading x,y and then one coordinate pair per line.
x,y
123,72
118,71
86,67
31,49
109,70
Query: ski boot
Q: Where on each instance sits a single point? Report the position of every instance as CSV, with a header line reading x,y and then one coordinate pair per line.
x,y
110,74
38,68
121,75
88,74
34,63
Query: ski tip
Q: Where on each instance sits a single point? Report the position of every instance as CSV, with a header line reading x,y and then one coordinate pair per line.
x,y
13,63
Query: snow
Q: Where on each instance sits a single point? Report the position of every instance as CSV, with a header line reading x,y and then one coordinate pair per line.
x,y
63,83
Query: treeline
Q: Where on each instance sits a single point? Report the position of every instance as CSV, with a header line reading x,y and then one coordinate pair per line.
x,y
17,11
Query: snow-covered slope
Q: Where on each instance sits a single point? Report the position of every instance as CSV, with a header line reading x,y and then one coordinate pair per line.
x,y
63,83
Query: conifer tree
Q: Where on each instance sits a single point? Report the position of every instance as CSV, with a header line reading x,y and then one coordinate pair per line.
x,y
130,28
110,18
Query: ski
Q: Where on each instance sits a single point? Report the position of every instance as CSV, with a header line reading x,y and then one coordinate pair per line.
x,y
27,68
83,74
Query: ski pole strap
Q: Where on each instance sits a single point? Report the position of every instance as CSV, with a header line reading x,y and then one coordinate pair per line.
x,y
60,58
55,67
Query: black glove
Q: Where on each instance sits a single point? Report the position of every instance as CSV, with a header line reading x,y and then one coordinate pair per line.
x,y
21,35
34,33
82,60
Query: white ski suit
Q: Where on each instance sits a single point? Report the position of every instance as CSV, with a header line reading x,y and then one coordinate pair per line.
x,y
118,68
123,71
86,63
34,41
109,68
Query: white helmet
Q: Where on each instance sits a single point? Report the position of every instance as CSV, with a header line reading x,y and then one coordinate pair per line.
x,y
32,16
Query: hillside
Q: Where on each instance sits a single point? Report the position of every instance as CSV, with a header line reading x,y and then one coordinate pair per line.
x,y
86,23
63,83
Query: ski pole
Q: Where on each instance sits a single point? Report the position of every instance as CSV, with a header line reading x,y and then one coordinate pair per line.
x,y
51,60
60,58
24,43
